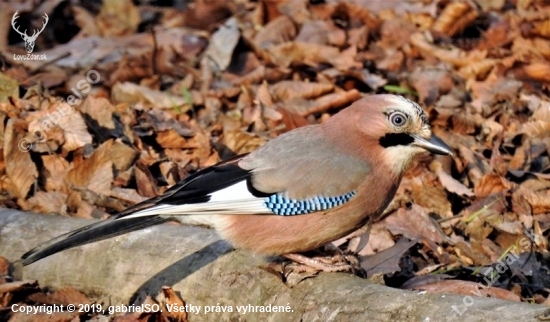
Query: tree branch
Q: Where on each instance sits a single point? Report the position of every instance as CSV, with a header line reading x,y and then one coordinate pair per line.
x,y
205,270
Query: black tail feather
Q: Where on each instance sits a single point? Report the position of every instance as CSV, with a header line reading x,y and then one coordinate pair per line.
x,y
88,234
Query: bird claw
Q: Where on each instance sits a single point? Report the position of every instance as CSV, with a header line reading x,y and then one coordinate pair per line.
x,y
337,263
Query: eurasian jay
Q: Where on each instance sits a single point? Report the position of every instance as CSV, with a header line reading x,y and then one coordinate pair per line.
x,y
301,190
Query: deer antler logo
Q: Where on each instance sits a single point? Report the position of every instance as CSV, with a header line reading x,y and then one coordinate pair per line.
x,y
29,40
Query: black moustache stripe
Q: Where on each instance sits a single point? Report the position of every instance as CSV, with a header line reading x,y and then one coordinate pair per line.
x,y
395,139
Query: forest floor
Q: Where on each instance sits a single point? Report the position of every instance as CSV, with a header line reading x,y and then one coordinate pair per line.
x,y
120,100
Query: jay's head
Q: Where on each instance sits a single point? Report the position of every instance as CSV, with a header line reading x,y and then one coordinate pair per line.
x,y
395,129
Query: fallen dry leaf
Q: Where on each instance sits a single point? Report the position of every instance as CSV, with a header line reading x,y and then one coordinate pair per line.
x,y
47,202
99,109
380,239
386,261
322,32
538,71
145,182
414,224
96,172
56,170
539,201
451,184
117,17
135,94
122,156
277,31
324,103
287,90
298,53
490,184
172,299
4,266
431,83
222,44
20,168
455,17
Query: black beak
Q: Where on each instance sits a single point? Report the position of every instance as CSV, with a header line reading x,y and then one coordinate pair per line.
x,y
433,144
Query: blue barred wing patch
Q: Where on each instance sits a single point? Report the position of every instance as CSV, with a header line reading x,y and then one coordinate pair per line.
x,y
287,207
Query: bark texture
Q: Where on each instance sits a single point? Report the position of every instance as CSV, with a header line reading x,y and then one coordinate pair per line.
x,y
205,270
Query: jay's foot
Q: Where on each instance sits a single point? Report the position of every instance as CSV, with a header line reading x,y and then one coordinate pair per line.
x,y
337,263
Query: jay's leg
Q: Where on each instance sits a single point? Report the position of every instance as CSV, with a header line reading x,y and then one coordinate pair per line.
x,y
339,262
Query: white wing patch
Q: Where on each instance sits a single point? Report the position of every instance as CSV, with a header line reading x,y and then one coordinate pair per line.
x,y
233,200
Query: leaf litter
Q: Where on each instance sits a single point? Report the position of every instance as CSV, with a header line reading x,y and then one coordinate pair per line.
x,y
181,88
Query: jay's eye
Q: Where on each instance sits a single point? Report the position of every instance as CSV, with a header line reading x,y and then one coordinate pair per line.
x,y
398,119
